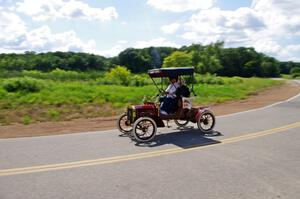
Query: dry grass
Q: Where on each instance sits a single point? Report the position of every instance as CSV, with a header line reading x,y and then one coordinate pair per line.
x,y
66,112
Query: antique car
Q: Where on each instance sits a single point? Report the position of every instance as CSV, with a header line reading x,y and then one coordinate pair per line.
x,y
141,121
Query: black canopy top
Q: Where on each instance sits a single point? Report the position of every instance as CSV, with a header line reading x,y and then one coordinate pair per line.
x,y
171,72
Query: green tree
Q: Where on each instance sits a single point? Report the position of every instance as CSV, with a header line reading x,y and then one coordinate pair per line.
x,y
270,67
241,61
208,64
178,59
206,59
251,68
135,60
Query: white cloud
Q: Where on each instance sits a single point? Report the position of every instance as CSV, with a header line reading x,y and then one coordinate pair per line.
x,y
15,37
284,7
11,25
114,51
294,47
181,5
155,42
122,42
282,20
281,16
293,52
12,29
267,25
204,39
266,45
221,24
171,28
52,9
42,39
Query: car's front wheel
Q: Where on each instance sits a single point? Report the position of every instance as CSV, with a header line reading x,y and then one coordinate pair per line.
x,y
144,129
123,125
206,122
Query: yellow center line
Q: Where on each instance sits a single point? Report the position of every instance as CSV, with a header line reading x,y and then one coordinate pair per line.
x,y
109,160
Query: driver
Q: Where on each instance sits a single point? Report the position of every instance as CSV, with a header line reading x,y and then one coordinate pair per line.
x,y
170,101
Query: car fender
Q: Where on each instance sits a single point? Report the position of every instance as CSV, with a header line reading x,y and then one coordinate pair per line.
x,y
200,111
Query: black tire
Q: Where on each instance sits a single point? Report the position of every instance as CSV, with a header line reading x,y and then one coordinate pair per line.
x,y
181,123
144,129
122,126
206,122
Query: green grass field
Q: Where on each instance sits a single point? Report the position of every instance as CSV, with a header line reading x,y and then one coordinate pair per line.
x,y
57,100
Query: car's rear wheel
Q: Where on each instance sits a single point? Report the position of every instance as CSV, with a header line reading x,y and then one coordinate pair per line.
x,y
144,129
123,125
181,123
206,122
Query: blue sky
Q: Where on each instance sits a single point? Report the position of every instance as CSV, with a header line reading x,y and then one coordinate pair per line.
x,y
107,27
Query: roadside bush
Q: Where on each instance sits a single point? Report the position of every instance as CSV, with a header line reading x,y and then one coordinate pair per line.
x,y
233,80
9,74
131,80
53,114
139,80
209,79
62,75
2,94
217,80
106,81
34,74
27,120
295,70
22,84
117,76
295,75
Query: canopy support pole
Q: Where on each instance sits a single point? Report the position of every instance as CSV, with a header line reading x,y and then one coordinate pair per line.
x,y
155,84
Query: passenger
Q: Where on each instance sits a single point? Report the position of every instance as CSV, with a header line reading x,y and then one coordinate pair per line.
x,y
182,90
169,103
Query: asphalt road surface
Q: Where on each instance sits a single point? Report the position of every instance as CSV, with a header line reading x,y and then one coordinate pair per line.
x,y
254,154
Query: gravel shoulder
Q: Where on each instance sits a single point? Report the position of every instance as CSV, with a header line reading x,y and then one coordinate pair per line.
x,y
260,99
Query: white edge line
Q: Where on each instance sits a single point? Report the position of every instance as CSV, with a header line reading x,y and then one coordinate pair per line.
x,y
292,98
261,108
251,110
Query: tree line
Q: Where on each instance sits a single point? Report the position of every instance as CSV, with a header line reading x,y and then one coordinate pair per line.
x,y
212,58
54,60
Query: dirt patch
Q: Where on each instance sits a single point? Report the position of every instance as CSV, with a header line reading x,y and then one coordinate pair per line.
x,y
52,113
263,98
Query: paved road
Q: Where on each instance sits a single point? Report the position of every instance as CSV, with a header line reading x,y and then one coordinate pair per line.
x,y
256,155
